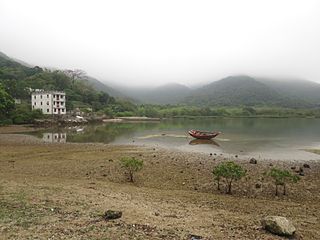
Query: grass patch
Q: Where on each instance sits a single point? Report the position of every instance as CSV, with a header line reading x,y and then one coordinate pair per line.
x,y
15,210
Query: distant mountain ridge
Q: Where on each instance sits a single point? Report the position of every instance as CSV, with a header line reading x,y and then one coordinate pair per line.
x,y
234,91
99,86
243,91
295,88
229,91
170,93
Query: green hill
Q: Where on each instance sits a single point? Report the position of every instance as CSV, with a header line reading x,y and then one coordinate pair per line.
x,y
241,91
17,79
295,88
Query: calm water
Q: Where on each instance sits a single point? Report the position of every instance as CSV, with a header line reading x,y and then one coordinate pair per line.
x,y
260,138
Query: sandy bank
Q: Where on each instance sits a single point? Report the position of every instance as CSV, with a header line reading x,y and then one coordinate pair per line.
x,y
174,195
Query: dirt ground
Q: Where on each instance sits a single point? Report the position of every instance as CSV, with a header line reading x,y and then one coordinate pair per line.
x,y
61,191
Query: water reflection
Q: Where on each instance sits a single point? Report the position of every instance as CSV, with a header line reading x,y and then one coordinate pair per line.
x,y
54,137
269,138
204,141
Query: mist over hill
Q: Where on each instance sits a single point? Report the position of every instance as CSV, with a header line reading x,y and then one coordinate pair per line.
x,y
233,91
246,91
229,91
300,89
166,94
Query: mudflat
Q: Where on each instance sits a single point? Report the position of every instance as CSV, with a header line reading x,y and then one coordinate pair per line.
x,y
61,191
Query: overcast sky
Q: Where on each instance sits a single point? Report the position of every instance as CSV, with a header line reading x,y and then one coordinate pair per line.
x,y
155,42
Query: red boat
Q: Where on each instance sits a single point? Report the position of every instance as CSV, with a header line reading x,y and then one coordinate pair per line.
x,y
203,135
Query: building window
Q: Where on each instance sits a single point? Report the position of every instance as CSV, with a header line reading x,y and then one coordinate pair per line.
x,y
35,103
54,95
62,110
34,97
41,103
47,103
61,103
55,110
61,96
41,96
54,102
47,110
47,95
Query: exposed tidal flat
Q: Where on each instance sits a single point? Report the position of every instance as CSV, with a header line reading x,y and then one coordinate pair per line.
x,y
60,191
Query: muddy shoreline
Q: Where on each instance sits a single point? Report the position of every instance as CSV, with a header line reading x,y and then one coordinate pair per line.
x,y
174,195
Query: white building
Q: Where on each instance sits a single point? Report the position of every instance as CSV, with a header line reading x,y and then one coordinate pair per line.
x,y
54,137
49,102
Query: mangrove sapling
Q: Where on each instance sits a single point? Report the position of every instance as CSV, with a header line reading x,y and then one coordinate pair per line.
x,y
132,165
230,171
281,177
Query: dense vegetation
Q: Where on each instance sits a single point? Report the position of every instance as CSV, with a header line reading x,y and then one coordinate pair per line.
x,y
16,80
243,91
230,97
168,111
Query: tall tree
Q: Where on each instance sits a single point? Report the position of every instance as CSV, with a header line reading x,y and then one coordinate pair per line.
x,y
6,103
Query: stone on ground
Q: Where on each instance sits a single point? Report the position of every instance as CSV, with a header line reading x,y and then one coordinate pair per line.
x,y
110,215
278,225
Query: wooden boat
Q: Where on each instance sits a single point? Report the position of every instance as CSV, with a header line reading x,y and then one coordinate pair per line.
x,y
203,135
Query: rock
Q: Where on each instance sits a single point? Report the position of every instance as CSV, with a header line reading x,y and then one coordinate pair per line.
x,y
194,237
278,225
236,156
111,214
293,168
258,185
253,161
157,214
210,154
306,165
300,171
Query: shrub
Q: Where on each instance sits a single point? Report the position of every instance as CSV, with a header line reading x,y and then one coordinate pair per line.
x,y
281,177
132,165
230,171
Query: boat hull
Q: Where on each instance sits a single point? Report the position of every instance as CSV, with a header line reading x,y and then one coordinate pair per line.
x,y
203,135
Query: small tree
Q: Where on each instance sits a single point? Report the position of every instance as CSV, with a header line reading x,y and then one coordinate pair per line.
x,y
132,165
230,171
281,177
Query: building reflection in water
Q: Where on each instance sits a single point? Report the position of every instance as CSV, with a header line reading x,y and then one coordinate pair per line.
x,y
54,137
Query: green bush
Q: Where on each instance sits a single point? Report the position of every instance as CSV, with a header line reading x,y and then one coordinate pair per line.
x,y
132,165
229,171
281,177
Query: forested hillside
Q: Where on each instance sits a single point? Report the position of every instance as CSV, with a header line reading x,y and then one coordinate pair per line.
x,y
17,79
243,91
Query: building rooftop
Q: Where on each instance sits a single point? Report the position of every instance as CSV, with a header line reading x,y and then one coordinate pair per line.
x,y
40,91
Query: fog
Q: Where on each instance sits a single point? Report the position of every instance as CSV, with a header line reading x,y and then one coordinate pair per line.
x,y
144,43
